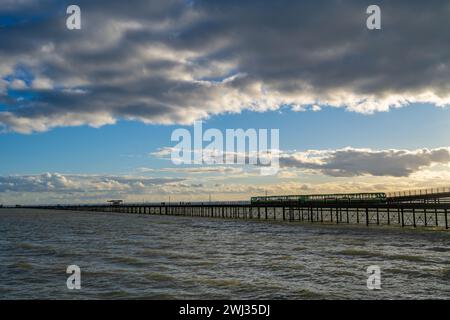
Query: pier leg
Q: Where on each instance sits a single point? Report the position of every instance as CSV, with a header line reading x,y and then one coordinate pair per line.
x,y
446,219
357,215
403,218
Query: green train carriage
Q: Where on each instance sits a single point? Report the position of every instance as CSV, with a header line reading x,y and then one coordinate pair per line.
x,y
320,198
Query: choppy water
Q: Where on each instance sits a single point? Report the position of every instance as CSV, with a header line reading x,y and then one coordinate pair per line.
x,y
157,257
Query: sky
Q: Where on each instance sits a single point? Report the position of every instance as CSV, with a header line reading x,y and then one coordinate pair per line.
x,y
87,115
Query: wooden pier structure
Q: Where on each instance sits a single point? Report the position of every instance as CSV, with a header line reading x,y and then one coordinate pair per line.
x,y
428,210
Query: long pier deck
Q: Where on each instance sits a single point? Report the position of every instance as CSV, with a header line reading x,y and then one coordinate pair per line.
x,y
420,208
411,214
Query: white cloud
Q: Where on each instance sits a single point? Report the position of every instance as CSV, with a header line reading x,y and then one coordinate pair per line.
x,y
27,125
61,183
350,162
42,84
198,170
18,84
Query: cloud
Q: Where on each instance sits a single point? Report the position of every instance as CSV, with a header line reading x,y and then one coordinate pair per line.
x,y
346,162
164,152
174,61
60,183
64,188
351,162
200,170
37,183
18,84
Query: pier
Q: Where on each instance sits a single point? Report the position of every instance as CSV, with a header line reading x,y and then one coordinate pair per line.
x,y
427,209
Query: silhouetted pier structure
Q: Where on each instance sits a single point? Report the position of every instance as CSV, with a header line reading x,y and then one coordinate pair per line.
x,y
404,209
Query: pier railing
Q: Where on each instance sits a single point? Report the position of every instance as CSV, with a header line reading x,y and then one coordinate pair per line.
x,y
419,192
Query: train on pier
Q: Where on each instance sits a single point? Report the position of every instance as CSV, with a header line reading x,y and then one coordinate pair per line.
x,y
378,197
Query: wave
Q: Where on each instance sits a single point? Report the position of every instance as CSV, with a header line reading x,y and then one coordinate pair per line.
x,y
156,276
357,252
128,260
22,265
439,249
367,253
25,245
308,294
407,257
446,273
228,283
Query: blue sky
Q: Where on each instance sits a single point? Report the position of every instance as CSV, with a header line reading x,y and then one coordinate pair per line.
x,y
86,115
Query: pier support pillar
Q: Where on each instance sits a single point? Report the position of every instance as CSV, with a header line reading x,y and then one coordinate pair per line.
x,y
446,219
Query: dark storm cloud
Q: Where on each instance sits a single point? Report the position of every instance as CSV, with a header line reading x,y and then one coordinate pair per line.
x,y
357,162
175,61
